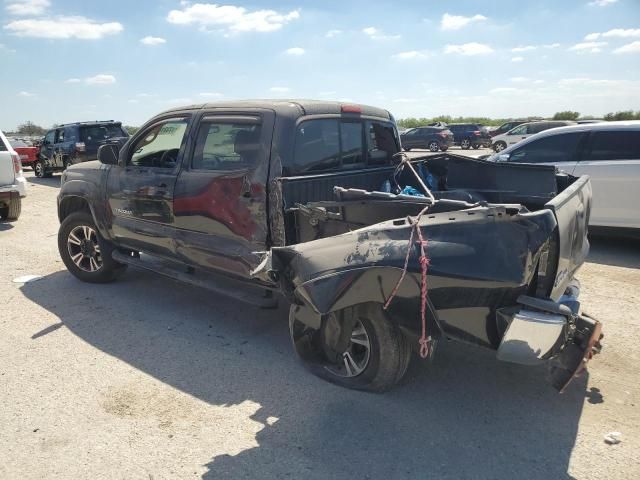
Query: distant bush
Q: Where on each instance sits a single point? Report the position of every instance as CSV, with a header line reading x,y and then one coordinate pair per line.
x,y
567,115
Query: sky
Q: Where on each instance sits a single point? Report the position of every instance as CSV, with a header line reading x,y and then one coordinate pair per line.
x,y
75,60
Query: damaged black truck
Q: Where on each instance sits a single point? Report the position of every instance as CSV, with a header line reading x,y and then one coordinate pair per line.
x,y
380,256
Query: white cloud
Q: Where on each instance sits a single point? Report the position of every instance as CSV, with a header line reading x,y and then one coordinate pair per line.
x,y
615,33
633,47
100,79
279,89
28,7
332,33
472,48
505,90
63,28
551,45
526,48
26,94
593,47
519,79
4,48
211,94
411,55
517,59
376,34
152,41
456,22
589,82
229,17
73,80
602,3
295,51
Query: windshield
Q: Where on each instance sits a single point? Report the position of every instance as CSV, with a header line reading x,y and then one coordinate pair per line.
x,y
96,133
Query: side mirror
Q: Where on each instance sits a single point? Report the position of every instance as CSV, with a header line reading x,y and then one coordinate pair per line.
x,y
108,154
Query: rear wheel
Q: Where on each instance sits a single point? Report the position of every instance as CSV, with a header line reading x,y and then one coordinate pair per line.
x,y
434,146
476,146
12,211
38,168
84,252
465,144
372,354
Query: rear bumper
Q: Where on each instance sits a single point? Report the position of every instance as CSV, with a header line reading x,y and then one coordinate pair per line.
x,y
20,186
552,333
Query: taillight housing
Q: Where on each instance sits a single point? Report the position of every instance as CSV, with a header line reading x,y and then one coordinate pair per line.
x,y
443,134
477,133
81,147
351,109
17,164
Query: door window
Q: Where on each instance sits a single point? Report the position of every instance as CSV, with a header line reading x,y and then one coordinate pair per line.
x,y
521,130
60,135
612,145
553,149
227,144
352,148
49,137
317,146
159,145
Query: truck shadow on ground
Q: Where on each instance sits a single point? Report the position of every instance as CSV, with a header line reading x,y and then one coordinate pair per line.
x,y
463,416
617,252
46,182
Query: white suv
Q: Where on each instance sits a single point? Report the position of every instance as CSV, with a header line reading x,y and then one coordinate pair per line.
x,y
608,152
13,185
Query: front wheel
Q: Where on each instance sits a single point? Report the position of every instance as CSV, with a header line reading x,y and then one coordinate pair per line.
x,y
465,144
499,146
84,252
357,347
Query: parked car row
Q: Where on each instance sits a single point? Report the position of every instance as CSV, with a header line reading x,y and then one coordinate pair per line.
x,y
608,152
440,136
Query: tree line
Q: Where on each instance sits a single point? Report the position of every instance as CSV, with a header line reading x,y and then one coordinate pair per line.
x,y
413,122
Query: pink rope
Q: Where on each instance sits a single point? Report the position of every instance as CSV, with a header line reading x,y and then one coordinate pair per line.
x,y
425,340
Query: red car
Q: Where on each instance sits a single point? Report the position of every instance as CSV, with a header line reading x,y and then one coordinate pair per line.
x,y
28,153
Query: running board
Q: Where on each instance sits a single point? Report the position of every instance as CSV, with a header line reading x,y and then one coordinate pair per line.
x,y
262,298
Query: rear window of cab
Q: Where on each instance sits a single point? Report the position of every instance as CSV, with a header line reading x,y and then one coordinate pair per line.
x,y
331,144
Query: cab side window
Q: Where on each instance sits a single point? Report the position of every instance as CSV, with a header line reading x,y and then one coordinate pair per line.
x,y
227,144
60,135
521,130
552,149
317,146
49,137
611,145
159,145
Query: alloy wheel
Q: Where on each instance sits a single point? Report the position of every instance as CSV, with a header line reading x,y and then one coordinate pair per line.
x,y
84,249
356,358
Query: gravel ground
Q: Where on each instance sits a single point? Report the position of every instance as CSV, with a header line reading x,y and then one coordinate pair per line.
x,y
149,379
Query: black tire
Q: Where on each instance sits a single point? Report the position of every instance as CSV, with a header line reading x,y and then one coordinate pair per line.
x,y
407,149
38,168
465,144
433,146
389,353
499,146
108,269
476,146
444,149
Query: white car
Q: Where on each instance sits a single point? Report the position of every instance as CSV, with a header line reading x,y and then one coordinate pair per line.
x,y
524,131
608,152
13,185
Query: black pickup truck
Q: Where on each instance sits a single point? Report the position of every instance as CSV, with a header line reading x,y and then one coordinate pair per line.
x,y
379,256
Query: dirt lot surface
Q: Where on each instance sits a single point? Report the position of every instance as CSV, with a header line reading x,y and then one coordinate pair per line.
x,y
149,379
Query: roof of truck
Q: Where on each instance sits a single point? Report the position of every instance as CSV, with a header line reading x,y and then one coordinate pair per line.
x,y
290,107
